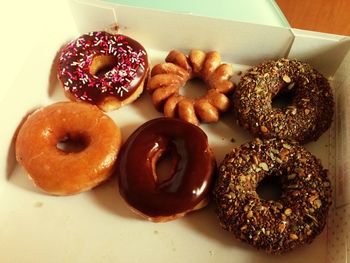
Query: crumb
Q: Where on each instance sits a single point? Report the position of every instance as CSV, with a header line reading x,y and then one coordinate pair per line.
x,y
116,27
222,138
38,204
239,73
233,140
211,253
155,232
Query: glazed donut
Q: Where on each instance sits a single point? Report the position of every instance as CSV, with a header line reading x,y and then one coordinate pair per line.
x,y
167,79
60,172
108,70
309,113
275,226
191,176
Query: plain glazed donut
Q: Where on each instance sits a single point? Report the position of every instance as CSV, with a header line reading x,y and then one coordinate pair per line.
x,y
193,165
309,113
167,79
275,226
108,70
56,171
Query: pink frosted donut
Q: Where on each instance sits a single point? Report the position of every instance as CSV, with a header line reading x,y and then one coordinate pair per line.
x,y
103,69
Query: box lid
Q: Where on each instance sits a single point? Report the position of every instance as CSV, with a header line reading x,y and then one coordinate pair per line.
x,y
255,11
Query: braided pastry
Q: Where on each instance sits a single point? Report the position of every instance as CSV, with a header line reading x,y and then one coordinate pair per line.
x,y
167,79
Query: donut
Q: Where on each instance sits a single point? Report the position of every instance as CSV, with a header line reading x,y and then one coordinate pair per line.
x,y
167,79
309,113
60,171
275,226
108,70
191,176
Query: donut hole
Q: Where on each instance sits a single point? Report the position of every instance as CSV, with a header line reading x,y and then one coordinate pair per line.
x,y
284,98
193,88
270,188
102,64
165,165
72,144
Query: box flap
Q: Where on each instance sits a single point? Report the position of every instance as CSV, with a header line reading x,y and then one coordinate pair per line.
x,y
323,51
260,41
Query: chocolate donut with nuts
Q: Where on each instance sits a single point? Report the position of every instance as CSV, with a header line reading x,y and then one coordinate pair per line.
x,y
304,119
276,226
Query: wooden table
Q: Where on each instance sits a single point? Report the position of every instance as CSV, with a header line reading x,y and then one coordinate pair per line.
x,y
329,16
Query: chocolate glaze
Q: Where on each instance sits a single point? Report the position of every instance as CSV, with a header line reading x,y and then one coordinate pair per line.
x,y
126,73
309,113
192,175
276,226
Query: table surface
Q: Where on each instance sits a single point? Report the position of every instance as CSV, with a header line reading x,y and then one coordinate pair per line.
x,y
318,15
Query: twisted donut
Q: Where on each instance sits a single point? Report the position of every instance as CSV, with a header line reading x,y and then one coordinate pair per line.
x,y
167,79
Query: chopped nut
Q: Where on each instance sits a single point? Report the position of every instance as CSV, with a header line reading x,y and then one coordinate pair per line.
x,y
246,111
318,203
290,86
283,153
278,160
312,217
287,146
263,129
303,160
264,166
291,176
242,178
255,160
300,171
288,212
295,193
312,198
250,214
281,227
293,236
286,79
275,151
228,195
279,205
294,111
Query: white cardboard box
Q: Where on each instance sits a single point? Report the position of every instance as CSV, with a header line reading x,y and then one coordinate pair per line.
x,y
96,226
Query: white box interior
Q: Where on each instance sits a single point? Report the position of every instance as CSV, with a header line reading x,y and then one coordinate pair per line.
x,y
96,226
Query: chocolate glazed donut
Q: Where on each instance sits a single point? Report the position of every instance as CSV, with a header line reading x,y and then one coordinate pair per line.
x,y
309,113
191,176
296,218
